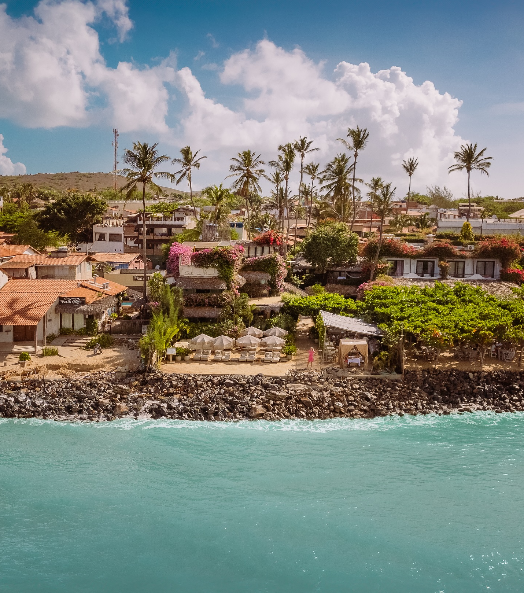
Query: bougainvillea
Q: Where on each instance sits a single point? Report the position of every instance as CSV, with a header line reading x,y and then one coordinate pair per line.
x,y
226,260
501,248
361,290
389,248
270,237
441,249
444,269
179,255
512,275
274,265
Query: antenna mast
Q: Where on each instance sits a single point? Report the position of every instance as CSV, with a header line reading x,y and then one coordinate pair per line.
x,y
115,170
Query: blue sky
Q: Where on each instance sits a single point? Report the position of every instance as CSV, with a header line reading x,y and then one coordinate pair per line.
x,y
229,75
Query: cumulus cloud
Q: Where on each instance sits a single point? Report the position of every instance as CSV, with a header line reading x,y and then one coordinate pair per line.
x,y
7,167
52,73
287,95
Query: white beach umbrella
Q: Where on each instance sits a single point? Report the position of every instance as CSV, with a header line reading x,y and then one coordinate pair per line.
x,y
272,341
248,342
224,343
252,331
276,331
202,341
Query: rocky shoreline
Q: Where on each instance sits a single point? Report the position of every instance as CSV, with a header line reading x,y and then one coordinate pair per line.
x,y
302,395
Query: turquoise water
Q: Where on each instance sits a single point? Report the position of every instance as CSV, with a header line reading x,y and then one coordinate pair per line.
x,y
423,504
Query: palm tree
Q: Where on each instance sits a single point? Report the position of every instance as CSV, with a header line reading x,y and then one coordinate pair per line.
x,y
286,158
311,169
302,147
358,140
247,170
219,197
188,162
375,186
382,205
143,161
410,166
277,178
335,180
469,159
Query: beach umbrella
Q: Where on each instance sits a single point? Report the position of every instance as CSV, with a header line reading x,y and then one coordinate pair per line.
x,y
248,342
224,343
272,341
276,331
252,331
202,341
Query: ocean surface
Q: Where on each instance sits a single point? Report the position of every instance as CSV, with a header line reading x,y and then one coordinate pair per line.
x,y
413,504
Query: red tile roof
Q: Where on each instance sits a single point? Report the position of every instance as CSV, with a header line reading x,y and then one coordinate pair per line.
x,y
10,250
114,257
46,260
25,302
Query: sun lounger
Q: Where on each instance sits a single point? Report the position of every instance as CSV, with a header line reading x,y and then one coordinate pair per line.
x,y
227,355
243,356
219,356
206,355
276,356
268,357
198,355
251,355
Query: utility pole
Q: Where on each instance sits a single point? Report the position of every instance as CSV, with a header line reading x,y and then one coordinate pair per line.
x,y
115,170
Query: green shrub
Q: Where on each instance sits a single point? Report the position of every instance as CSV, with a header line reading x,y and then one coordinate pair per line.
x,y
104,340
91,327
66,331
312,305
289,349
50,338
24,356
318,289
183,351
283,320
47,351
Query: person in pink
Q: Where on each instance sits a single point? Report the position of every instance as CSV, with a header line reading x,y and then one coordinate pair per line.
x,y
311,357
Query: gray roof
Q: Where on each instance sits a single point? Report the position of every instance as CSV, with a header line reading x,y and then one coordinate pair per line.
x,y
351,324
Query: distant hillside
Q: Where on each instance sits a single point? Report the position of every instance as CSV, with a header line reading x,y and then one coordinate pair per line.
x,y
80,181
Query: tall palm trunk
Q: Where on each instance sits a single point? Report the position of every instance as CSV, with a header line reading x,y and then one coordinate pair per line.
x,y
409,195
286,206
191,194
379,247
354,217
310,209
469,198
144,242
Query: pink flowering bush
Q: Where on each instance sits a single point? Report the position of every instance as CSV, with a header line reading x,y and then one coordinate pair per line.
x,y
389,248
512,275
179,255
274,265
226,260
501,248
363,288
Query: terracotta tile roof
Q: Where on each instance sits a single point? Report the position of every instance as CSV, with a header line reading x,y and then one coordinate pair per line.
x,y
46,260
39,286
10,250
16,264
25,302
113,289
114,257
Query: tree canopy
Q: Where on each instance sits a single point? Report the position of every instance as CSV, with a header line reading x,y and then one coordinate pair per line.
x,y
330,244
74,215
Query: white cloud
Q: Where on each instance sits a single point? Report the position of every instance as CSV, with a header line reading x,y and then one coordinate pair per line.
x,y
52,73
7,167
213,41
287,95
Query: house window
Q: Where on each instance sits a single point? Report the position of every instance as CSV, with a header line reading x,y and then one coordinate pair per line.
x,y
486,269
457,269
425,268
100,237
115,238
396,267
341,276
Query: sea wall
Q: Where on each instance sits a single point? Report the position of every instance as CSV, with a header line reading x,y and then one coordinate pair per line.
x,y
307,395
